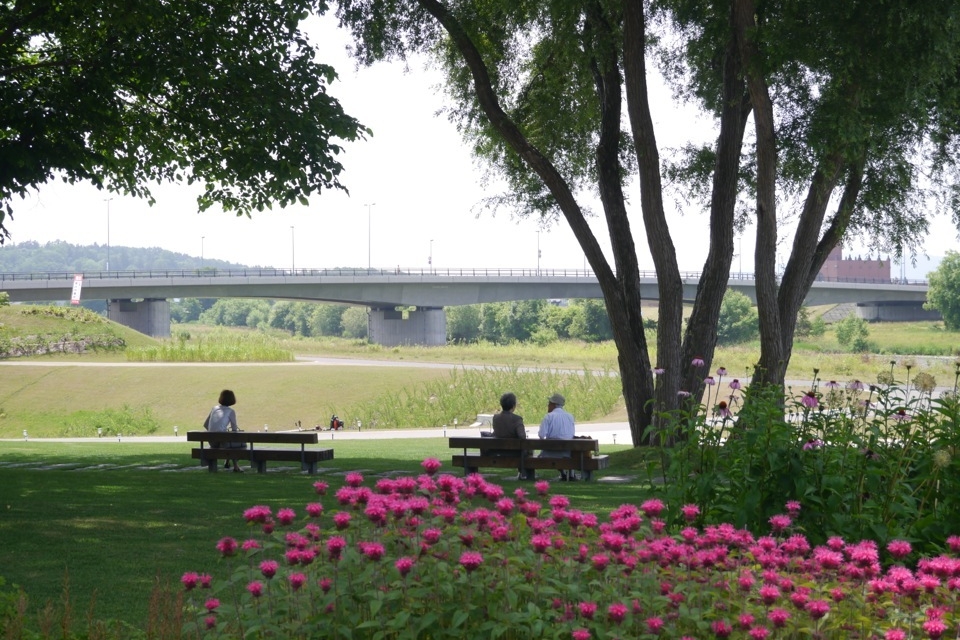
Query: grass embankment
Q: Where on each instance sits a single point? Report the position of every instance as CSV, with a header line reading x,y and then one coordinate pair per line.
x,y
110,534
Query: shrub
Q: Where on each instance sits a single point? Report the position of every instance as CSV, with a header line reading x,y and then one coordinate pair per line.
x,y
738,319
852,332
868,461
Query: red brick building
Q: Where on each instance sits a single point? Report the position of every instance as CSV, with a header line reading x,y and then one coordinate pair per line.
x,y
856,269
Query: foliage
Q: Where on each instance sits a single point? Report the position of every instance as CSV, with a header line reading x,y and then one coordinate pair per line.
x,y
463,323
852,332
943,293
447,557
4,299
738,319
866,461
227,95
354,323
809,328
111,423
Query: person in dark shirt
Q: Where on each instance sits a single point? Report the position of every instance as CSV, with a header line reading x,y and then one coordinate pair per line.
x,y
507,424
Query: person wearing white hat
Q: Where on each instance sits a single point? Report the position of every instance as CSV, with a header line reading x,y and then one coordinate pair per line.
x,y
558,424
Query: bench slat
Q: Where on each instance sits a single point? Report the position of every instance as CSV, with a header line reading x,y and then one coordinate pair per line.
x,y
528,444
308,458
262,437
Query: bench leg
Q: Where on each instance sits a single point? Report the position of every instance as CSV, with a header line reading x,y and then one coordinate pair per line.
x,y
260,464
213,465
309,467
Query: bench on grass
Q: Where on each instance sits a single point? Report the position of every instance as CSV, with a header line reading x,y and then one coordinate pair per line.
x,y
211,455
512,453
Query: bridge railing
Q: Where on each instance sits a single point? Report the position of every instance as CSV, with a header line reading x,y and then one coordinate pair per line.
x,y
482,272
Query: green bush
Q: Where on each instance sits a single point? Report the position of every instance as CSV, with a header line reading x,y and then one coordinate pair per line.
x,y
852,333
738,321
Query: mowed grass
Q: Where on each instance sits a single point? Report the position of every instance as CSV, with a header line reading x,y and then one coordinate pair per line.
x,y
111,533
40,399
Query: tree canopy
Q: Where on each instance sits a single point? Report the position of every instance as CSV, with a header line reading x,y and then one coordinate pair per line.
x,y
121,94
944,290
851,103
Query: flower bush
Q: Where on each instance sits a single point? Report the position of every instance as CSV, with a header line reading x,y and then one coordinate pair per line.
x,y
878,461
442,556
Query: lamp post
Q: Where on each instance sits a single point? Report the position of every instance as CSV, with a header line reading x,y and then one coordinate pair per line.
x,y
293,251
201,251
369,233
430,258
538,253
108,231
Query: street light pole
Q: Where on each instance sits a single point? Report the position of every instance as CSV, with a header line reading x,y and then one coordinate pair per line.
x,y
369,233
430,259
108,232
293,251
201,250
538,253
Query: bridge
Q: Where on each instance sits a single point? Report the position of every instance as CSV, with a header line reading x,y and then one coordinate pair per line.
x,y
139,298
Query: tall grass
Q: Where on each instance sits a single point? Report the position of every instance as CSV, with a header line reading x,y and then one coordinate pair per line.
x,y
214,347
467,392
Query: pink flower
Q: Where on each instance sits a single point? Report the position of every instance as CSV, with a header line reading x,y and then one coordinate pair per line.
x,y
817,608
652,508
335,545
269,568
250,545
895,634
690,512
354,479
297,580
587,609
654,624
325,584
617,612
722,371
373,550
779,617
709,381
286,516
227,546
211,604
780,522
722,410
321,487
901,416
471,560
581,634
342,520
721,628
258,514
404,565
793,507
205,580
769,593
314,509
809,400
855,385
190,580
934,628
431,466
735,384
899,548
697,362
600,561
540,542
812,445
432,536
954,543
210,622
542,487
759,633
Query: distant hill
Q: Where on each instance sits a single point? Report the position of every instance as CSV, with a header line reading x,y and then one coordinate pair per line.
x,y
59,256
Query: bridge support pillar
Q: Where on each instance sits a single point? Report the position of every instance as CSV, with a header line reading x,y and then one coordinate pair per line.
x,y
149,316
896,311
423,326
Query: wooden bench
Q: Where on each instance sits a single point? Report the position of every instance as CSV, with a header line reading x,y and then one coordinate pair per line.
x,y
584,455
210,456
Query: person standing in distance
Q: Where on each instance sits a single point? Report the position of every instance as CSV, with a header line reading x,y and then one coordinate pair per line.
x,y
558,424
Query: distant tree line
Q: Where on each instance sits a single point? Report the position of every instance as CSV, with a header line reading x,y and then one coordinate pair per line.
x,y
60,256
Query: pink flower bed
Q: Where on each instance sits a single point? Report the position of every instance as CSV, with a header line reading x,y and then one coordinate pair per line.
x,y
444,556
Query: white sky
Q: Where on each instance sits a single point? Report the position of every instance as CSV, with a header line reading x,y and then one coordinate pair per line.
x,y
415,168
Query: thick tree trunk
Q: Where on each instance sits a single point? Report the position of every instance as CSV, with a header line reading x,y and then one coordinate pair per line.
x,y
700,339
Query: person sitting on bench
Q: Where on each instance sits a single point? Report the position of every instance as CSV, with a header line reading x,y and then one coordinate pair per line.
x,y
557,425
223,418
507,424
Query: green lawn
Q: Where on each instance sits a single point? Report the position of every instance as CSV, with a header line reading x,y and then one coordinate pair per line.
x,y
110,533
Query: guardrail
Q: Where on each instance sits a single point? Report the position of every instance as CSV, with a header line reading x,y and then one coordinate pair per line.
x,y
484,272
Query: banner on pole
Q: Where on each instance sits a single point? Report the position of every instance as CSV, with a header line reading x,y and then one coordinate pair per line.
x,y
77,285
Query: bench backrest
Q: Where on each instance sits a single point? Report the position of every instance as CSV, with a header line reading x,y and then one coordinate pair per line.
x,y
263,437
528,444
